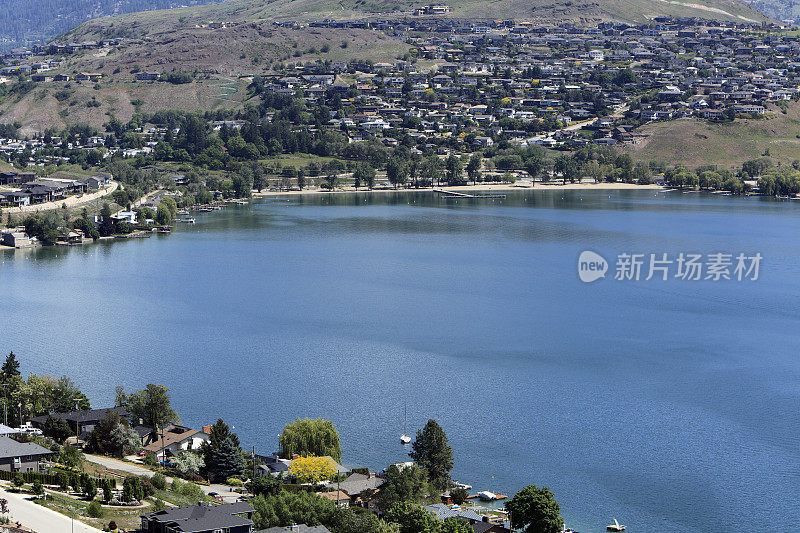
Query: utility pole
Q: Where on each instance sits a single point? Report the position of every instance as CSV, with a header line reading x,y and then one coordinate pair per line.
x,y
77,422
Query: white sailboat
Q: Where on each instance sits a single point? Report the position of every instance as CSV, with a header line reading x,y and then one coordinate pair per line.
x,y
615,526
404,439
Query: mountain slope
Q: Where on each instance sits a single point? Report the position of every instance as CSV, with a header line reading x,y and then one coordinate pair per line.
x,y
24,22
579,11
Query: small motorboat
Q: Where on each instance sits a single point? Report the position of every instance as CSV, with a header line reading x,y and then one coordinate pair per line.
x,y
405,439
487,496
615,526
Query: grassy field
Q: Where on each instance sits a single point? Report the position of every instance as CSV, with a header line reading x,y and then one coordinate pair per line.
x,y
697,142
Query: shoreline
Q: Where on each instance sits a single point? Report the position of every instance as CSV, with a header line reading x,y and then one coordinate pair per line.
x,y
482,187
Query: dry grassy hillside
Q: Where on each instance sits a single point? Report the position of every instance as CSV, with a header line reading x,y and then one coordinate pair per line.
x,y
697,142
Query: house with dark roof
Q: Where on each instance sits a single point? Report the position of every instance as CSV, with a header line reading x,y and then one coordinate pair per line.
x,y
201,518
299,528
84,422
443,512
21,456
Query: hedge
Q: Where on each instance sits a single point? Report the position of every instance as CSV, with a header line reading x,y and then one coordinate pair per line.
x,y
43,478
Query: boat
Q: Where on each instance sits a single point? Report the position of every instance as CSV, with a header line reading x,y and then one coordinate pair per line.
x,y
186,220
487,496
615,526
464,486
404,439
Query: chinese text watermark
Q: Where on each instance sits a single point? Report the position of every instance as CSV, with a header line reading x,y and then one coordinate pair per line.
x,y
684,266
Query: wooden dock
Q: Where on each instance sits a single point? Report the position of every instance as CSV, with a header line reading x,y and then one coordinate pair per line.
x,y
454,194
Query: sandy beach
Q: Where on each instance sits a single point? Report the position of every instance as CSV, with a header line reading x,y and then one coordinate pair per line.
x,y
482,187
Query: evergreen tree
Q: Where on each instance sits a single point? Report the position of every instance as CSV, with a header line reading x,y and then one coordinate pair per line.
x,y
10,368
432,452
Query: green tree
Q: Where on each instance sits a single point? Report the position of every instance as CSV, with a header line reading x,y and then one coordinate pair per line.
x,y
364,174
222,453
396,171
432,452
132,489
90,488
10,369
404,484
454,170
455,525
535,510
412,518
106,222
152,405
458,495
311,437
474,167
163,216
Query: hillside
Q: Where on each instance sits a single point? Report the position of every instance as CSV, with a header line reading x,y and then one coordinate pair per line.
x,y
35,21
579,11
697,142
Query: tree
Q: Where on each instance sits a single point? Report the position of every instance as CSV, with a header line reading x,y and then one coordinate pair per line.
x,y
106,222
163,216
70,456
132,489
404,484
454,170
474,167
222,454
396,171
264,485
113,436
364,174
412,518
432,452
90,488
152,405
311,437
454,525
312,469
535,510
56,428
188,462
10,368
458,495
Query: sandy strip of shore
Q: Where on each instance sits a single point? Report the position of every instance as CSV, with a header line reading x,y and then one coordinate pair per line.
x,y
483,187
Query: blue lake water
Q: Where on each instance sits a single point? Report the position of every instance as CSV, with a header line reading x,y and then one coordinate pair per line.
x,y
670,405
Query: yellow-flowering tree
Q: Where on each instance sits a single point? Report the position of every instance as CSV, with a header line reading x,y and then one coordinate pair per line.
x,y
312,469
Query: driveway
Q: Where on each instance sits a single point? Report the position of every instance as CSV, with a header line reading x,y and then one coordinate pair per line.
x,y
41,519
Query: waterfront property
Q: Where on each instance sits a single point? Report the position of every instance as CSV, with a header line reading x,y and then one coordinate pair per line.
x,y
83,422
21,456
201,518
174,439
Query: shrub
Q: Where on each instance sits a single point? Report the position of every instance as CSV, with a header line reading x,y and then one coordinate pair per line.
x,y
234,482
159,481
95,510
147,488
149,459
112,526
158,505
37,487
17,480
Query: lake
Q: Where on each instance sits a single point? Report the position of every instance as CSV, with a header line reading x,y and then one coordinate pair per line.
x,y
670,405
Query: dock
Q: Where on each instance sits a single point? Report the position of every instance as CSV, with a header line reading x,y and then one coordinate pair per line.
x,y
454,194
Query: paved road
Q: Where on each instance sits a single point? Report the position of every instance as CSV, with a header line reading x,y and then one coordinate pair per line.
x,y
71,201
137,470
41,519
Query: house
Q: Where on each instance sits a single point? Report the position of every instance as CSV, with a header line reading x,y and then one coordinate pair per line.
x,y
489,527
17,238
21,456
83,422
201,518
359,487
338,497
174,439
300,528
442,512
125,216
